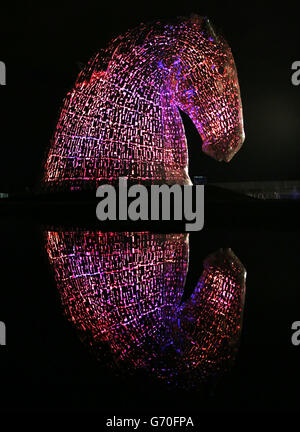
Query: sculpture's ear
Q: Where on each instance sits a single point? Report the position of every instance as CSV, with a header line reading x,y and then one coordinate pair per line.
x,y
205,26
196,19
209,30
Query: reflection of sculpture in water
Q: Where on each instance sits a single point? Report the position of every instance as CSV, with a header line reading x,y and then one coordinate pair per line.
x,y
124,291
122,116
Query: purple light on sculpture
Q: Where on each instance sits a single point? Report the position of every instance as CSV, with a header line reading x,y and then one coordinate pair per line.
x,y
122,116
123,292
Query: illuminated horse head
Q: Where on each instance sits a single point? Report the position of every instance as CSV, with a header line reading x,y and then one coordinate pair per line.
x,y
124,293
122,118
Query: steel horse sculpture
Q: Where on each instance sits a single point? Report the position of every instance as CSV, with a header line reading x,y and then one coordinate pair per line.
x,y
122,118
123,292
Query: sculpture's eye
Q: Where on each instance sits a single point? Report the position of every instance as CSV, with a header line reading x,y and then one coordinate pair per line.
x,y
221,70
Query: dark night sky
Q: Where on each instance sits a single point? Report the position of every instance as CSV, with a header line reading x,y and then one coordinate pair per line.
x,y
41,45
46,368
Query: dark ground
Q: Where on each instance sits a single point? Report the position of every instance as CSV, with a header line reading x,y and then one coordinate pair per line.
x,y
44,366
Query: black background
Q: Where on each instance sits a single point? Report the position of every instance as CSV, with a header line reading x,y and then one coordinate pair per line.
x,y
42,44
44,367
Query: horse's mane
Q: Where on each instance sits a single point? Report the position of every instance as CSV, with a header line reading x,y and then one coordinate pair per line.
x,y
132,38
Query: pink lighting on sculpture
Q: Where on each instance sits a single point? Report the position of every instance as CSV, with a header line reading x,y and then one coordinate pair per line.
x,y
123,292
122,117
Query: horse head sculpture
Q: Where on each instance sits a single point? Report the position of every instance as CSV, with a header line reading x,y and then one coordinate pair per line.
x,y
122,118
123,292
